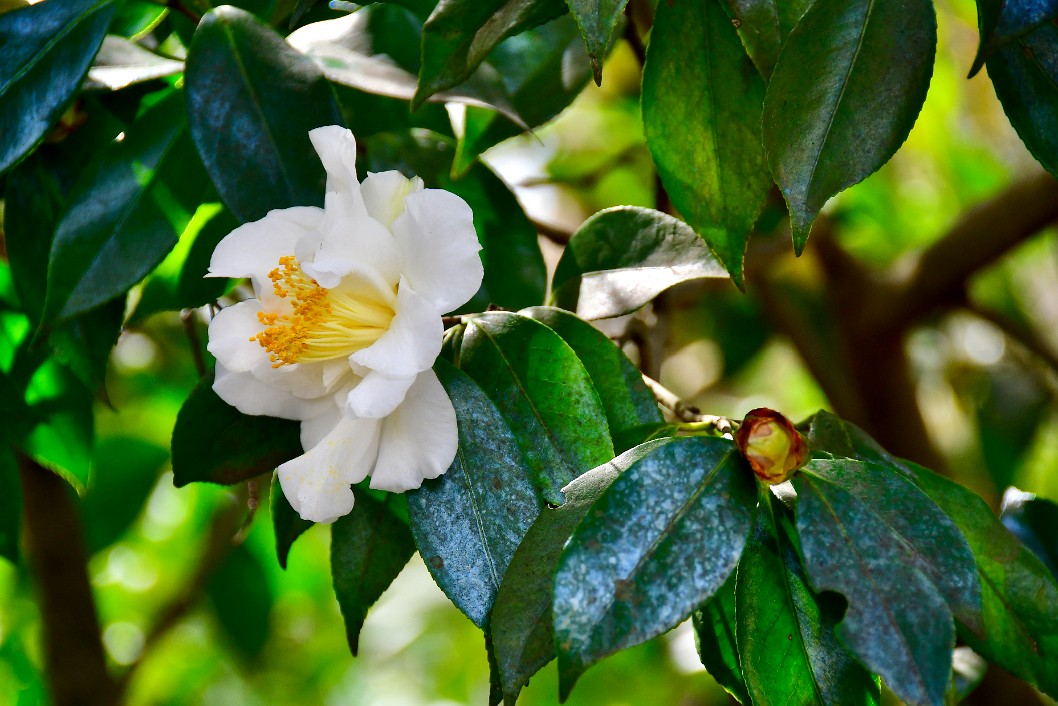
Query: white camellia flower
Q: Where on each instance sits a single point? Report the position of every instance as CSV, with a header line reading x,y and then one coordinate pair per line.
x,y
345,327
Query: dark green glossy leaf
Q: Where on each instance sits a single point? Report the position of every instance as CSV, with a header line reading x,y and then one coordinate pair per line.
x,y
84,343
623,257
216,443
544,392
45,51
242,600
786,636
868,533
135,17
705,136
764,26
125,470
251,101
629,404
125,213
597,19
543,70
515,275
1034,521
10,506
121,63
345,52
844,95
1018,593
369,547
1000,21
459,34
714,636
180,281
286,523
521,623
1025,76
468,522
660,541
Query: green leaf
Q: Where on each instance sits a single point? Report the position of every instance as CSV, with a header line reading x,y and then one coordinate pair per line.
x,y
1034,521
661,540
714,636
62,425
764,26
369,547
515,275
544,392
623,257
84,343
251,102
343,49
136,17
242,599
10,506
286,523
521,622
125,213
597,19
45,51
125,470
705,137
629,404
216,443
121,63
468,522
459,34
1018,593
180,281
1025,76
844,95
1000,21
543,69
868,533
786,636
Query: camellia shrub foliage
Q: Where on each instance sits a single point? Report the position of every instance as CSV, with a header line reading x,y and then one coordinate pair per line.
x,y
383,329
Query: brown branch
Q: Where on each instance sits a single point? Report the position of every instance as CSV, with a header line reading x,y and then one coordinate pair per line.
x,y
685,412
631,35
981,236
555,234
74,661
226,531
187,317
187,12
1021,335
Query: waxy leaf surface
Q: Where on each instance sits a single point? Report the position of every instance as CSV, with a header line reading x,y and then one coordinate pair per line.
x,y
45,51
252,100
843,97
621,258
544,392
468,522
764,26
369,547
714,636
661,540
705,137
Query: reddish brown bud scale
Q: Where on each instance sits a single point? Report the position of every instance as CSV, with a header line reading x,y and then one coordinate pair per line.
x,y
771,445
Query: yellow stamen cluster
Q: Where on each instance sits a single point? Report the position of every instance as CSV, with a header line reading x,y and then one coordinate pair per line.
x,y
322,324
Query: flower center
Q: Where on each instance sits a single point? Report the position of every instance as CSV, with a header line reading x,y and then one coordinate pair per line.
x,y
323,324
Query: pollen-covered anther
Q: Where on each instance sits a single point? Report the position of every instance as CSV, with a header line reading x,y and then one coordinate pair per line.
x,y
322,324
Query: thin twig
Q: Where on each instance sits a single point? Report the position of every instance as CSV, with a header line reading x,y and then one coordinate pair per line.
x,y
187,317
187,12
685,412
631,35
1020,334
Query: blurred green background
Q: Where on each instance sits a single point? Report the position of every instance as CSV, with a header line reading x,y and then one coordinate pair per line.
x,y
255,634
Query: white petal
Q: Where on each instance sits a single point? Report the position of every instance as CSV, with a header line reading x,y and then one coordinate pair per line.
x,y
436,235
317,482
412,342
336,147
384,194
249,395
253,250
419,440
316,429
230,332
377,395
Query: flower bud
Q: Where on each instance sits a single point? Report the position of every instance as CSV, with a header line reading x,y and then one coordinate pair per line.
x,y
772,446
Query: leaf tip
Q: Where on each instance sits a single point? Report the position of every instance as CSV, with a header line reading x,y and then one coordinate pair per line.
x,y
596,70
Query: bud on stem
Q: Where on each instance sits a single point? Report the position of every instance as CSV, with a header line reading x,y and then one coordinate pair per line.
x,y
771,445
